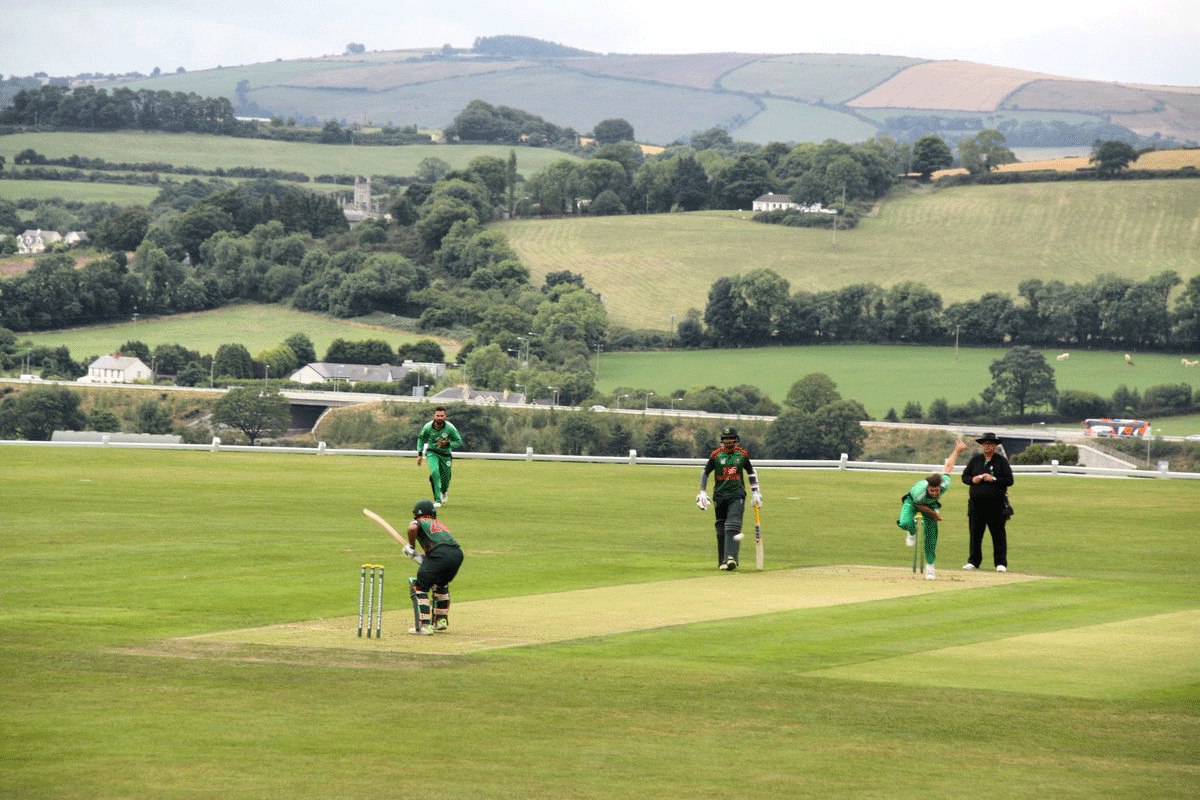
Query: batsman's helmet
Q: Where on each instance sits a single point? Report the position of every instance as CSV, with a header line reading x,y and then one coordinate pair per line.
x,y
424,508
729,433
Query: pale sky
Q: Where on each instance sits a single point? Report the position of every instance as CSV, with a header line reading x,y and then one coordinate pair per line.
x,y
1151,41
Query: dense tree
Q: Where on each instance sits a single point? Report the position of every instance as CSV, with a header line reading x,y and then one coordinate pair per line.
x,y
233,361
579,434
611,131
930,153
253,410
302,347
152,416
984,151
37,412
812,392
1110,157
1021,380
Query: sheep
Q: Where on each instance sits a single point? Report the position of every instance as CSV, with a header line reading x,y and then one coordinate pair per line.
x,y
1063,357
1129,359
1187,363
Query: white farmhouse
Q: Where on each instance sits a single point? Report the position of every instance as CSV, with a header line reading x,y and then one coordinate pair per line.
x,y
783,202
116,369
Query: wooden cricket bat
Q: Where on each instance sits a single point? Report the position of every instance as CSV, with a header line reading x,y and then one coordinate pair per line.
x,y
383,523
758,545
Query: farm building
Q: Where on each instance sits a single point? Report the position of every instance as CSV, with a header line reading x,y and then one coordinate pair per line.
x,y
116,369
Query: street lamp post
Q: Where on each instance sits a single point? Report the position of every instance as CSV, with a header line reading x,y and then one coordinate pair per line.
x,y
551,388
620,398
648,394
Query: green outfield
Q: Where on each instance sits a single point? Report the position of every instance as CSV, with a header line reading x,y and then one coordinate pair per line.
x,y
128,576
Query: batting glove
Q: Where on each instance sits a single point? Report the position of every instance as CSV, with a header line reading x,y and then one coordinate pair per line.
x,y
756,497
702,500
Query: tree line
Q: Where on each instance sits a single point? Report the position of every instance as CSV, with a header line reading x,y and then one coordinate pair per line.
x,y
757,309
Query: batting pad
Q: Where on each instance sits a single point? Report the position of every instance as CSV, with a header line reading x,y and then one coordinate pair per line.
x,y
564,616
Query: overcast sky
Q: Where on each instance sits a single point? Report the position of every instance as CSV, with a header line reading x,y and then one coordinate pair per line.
x,y
1146,41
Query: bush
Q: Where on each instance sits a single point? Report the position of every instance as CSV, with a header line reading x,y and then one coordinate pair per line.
x,y
1065,454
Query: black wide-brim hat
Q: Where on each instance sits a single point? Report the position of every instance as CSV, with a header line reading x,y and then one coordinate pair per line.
x,y
988,438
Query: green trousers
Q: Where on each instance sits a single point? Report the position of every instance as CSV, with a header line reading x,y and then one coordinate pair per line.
x,y
439,474
908,522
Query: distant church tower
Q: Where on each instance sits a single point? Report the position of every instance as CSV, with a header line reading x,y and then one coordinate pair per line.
x,y
362,193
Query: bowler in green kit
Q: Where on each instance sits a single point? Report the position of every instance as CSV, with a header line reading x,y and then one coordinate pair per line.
x,y
728,464
437,442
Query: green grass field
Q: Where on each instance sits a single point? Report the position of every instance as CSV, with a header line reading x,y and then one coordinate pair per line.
x,y
1083,684
258,327
961,242
882,376
211,152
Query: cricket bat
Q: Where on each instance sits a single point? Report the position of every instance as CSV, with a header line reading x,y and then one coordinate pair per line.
x,y
758,545
383,523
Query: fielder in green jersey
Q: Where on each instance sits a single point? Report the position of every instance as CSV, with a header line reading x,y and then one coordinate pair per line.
x,y
728,463
925,498
439,559
436,442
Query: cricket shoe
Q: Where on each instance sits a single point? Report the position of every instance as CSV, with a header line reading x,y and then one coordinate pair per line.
x,y
730,565
445,498
1001,568
441,625
424,630
437,505
930,575
910,540
969,565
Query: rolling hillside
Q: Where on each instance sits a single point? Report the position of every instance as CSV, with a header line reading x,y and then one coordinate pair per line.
x,y
758,98
962,242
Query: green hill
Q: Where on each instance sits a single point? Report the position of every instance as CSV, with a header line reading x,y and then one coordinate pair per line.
x,y
961,242
758,98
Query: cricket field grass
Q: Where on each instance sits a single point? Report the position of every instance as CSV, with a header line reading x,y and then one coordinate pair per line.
x,y
182,625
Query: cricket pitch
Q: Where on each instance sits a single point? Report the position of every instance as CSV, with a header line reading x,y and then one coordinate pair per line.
x,y
478,625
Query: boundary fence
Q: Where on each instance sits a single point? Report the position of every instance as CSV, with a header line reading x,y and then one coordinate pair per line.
x,y
633,459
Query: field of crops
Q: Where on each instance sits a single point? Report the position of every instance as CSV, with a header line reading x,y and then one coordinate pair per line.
x,y
212,152
199,639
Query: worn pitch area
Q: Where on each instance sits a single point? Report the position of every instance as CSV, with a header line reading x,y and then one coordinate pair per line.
x,y
478,625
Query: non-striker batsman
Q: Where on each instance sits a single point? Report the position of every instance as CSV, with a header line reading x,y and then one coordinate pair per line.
x,y
728,463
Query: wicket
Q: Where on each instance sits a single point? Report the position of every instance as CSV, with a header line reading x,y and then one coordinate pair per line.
x,y
919,547
373,597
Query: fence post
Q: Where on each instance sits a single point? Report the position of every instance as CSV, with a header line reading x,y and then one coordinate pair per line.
x,y
528,453
842,461
320,448
216,443
632,457
1054,466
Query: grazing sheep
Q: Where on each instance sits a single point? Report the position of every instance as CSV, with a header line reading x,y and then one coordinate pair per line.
x,y
1063,357
1129,359
1187,363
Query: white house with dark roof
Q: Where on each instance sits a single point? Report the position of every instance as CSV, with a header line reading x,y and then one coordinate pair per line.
x,y
328,372
116,369
784,202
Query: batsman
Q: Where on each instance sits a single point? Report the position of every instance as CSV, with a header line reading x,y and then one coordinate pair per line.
x,y
728,463
436,442
439,560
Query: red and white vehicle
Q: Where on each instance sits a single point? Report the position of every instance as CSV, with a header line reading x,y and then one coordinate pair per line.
x,y
1119,428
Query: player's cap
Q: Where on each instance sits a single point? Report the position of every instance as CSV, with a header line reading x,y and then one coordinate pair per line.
x,y
424,508
729,432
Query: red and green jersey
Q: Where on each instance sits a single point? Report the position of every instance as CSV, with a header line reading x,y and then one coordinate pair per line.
x,y
728,467
431,532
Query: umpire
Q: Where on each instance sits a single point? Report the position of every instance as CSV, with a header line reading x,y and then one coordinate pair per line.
x,y
989,476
